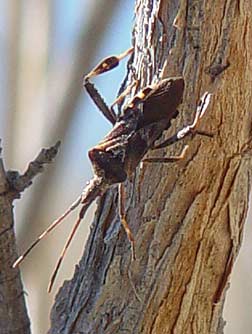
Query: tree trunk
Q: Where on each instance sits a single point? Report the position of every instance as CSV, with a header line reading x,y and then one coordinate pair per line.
x,y
187,217
13,313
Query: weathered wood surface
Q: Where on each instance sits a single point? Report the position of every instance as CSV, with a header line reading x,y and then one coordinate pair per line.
x,y
187,217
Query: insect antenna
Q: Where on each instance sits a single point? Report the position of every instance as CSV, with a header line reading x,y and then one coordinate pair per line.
x,y
54,224
90,192
96,187
64,250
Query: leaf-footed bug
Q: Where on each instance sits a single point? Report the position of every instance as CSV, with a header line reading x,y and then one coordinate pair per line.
x,y
134,133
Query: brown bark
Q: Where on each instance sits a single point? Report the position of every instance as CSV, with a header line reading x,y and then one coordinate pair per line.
x,y
187,217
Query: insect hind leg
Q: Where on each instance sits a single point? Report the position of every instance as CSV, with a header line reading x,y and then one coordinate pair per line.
x,y
109,113
105,65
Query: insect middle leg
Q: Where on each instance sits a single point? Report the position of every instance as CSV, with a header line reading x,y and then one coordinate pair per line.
x,y
168,159
120,98
122,214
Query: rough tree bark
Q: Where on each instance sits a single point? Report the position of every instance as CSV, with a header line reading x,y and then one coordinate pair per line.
x,y
187,217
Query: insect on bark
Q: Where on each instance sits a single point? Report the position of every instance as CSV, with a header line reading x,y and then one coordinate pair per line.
x,y
134,133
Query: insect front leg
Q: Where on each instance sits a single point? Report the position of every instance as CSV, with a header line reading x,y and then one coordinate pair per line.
x,y
99,102
105,65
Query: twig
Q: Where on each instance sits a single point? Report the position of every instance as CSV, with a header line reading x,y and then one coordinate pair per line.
x,y
18,183
13,313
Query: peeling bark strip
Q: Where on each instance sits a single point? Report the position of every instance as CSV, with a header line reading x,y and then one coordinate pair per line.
x,y
188,217
13,313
